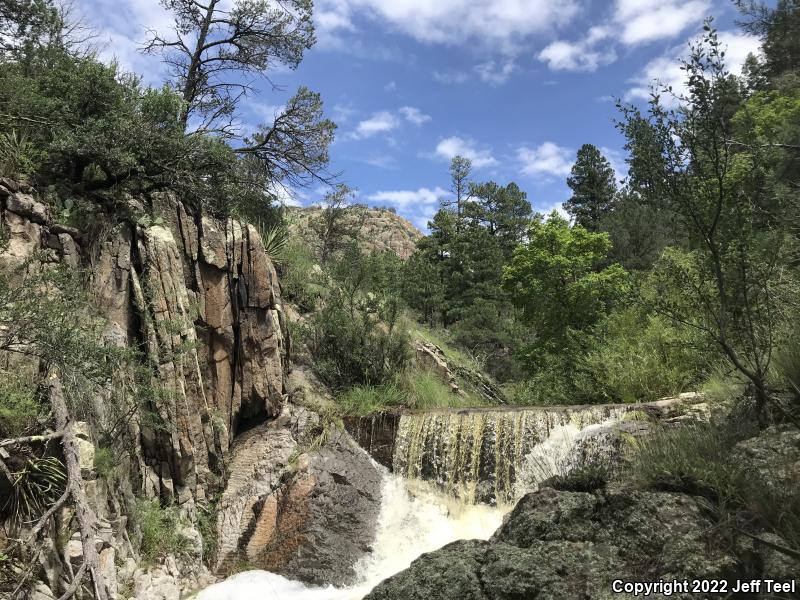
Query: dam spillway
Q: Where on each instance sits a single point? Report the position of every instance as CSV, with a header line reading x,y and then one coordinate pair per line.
x,y
490,457
494,455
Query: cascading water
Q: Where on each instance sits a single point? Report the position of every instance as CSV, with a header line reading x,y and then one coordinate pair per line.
x,y
456,475
480,456
409,524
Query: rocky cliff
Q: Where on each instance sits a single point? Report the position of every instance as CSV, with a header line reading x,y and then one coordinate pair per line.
x,y
199,298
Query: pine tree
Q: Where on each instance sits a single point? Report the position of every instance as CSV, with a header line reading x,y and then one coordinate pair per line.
x,y
593,188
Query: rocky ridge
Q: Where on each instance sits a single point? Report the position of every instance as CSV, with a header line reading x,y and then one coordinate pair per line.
x,y
380,229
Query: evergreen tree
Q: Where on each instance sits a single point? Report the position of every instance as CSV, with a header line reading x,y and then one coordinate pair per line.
x,y
593,188
504,211
460,169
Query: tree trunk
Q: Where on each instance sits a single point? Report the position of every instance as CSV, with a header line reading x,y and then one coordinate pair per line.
x,y
87,520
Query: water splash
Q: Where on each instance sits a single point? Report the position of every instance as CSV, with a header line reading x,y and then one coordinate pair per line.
x,y
414,519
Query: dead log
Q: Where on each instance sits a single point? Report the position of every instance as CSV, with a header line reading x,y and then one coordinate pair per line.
x,y
87,520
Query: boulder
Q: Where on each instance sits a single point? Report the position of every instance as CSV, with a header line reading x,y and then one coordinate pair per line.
x,y
307,515
557,544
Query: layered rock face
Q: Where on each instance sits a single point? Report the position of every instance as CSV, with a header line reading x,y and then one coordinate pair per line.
x,y
200,296
300,501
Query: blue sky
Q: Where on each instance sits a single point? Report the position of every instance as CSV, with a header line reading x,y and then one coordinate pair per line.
x,y
515,85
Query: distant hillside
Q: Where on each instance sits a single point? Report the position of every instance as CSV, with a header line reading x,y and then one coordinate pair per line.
x,y
382,229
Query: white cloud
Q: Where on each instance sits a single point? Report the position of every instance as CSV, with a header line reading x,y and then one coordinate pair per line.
x,y
450,77
418,206
495,73
380,122
631,22
666,69
391,86
414,115
546,159
500,24
547,209
648,20
456,146
579,56
342,112
410,199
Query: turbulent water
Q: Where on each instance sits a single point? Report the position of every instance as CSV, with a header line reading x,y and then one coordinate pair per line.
x,y
491,456
457,474
413,519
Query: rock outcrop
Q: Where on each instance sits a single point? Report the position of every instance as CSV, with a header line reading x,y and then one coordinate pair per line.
x,y
558,544
301,501
199,295
380,230
573,544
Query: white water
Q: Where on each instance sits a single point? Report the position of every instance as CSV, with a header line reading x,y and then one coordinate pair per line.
x,y
416,518
413,519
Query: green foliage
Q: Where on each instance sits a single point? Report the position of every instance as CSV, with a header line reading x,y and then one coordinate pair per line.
x,y
338,224
636,357
362,400
20,410
638,231
726,281
18,155
159,529
585,478
302,280
694,459
593,188
37,482
700,460
722,387
275,238
426,391
557,282
353,339
414,389
206,525
106,461
229,45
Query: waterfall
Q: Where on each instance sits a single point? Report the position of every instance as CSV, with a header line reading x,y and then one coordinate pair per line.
x,y
455,475
412,520
485,456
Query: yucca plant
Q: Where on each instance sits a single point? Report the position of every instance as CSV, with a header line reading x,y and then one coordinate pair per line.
x,y
36,486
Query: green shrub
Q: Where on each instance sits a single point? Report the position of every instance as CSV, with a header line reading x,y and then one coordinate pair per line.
x,y
206,523
635,357
351,345
700,460
554,382
426,390
722,387
18,155
106,460
364,400
20,409
695,459
158,526
302,281
586,478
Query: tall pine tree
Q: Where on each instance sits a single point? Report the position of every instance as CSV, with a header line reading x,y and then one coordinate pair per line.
x,y
593,188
